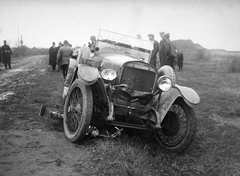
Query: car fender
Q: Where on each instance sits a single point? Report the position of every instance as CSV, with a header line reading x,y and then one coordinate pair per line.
x,y
88,75
189,96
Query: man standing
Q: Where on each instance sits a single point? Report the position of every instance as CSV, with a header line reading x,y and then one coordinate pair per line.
x,y
162,55
63,56
6,54
51,54
170,51
180,61
0,57
55,57
153,58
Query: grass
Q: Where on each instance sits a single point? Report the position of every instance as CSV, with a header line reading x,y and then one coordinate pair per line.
x,y
215,151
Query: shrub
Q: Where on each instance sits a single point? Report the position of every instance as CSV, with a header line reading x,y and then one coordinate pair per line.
x,y
202,54
234,65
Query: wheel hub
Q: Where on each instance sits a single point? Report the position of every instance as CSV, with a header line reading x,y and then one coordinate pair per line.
x,y
170,124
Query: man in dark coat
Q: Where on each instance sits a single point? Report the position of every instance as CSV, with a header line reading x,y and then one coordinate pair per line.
x,y
6,54
170,51
0,57
162,55
55,55
51,53
180,61
153,58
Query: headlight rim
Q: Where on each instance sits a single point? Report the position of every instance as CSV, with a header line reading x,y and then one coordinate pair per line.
x,y
108,69
162,78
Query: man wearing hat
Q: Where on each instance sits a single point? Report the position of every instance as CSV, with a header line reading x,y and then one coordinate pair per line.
x,y
63,56
162,55
55,55
51,54
153,58
170,51
6,54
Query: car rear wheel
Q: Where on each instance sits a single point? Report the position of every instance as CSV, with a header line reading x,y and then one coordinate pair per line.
x,y
77,111
178,128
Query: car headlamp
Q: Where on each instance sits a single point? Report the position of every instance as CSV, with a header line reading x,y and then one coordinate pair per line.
x,y
164,83
108,74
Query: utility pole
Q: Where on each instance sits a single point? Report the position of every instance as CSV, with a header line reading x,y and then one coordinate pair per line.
x,y
21,41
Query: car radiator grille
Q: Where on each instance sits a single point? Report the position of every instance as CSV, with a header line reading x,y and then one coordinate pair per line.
x,y
139,81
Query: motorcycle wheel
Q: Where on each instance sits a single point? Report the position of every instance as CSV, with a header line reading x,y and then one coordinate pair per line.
x,y
77,111
178,128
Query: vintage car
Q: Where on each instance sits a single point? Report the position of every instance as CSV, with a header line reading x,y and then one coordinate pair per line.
x,y
118,87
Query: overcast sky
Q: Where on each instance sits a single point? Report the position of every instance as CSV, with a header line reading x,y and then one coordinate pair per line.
x,y
214,24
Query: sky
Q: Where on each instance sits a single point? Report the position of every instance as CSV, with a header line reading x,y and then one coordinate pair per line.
x,y
214,24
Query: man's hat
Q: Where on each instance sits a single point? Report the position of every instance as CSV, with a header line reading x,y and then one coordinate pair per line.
x,y
65,42
167,35
152,35
161,33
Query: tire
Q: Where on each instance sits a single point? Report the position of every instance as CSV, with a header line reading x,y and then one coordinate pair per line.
x,y
168,71
169,136
77,111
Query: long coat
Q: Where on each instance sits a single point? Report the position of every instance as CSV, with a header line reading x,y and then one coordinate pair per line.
x,y
180,59
51,54
6,53
154,53
54,61
64,54
162,55
170,51
0,54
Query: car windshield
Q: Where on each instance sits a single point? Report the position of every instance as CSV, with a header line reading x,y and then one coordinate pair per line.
x,y
133,46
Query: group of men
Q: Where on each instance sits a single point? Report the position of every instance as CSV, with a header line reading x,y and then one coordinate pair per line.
x,y
5,55
166,50
60,56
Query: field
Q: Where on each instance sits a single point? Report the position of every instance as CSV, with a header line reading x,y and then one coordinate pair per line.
x,y
31,145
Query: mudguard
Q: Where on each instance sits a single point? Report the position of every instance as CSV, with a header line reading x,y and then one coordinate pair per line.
x,y
190,97
88,75
70,74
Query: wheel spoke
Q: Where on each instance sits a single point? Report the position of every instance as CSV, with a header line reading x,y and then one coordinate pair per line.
x,y
178,119
75,112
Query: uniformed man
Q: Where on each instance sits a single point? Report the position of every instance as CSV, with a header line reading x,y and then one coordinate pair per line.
x,y
6,54
153,58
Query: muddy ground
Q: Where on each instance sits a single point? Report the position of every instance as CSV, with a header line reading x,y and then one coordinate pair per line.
x,y
29,144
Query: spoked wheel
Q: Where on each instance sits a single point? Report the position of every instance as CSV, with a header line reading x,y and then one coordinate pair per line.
x,y
77,111
178,128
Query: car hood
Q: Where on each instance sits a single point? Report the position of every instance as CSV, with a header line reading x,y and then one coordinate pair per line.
x,y
113,60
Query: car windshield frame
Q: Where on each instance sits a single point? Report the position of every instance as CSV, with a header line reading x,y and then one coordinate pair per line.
x,y
133,46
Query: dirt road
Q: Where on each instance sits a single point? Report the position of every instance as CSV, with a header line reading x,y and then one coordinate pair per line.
x,y
30,145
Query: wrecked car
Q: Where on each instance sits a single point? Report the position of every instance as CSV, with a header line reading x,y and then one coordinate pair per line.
x,y
118,87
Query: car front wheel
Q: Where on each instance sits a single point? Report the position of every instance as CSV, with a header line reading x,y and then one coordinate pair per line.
x,y
77,111
178,128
